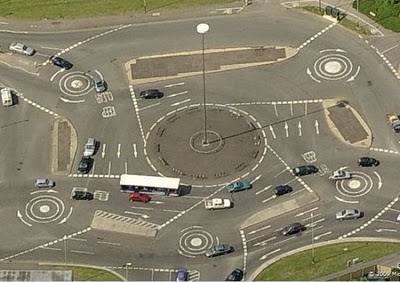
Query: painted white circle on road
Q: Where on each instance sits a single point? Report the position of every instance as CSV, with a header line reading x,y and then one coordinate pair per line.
x,y
354,184
76,83
196,242
44,208
333,67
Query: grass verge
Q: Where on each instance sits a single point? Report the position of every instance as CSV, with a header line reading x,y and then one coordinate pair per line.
x,y
344,22
89,274
71,9
328,260
384,12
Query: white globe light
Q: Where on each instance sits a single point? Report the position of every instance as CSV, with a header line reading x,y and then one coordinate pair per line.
x,y
202,28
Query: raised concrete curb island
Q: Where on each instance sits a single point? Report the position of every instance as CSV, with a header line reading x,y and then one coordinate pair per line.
x,y
317,245
280,209
117,223
84,265
347,124
64,147
148,69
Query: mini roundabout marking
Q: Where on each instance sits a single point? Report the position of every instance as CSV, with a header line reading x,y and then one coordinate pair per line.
x,y
359,185
75,85
334,66
44,209
195,241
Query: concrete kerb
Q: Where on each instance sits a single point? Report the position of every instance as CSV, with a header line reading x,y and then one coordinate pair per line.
x,y
73,148
86,266
317,245
280,209
366,143
289,51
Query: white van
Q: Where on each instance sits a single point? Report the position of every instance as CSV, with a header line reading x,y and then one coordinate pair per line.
x,y
6,97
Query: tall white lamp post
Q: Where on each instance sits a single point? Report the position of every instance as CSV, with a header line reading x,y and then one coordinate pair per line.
x,y
202,29
65,252
128,264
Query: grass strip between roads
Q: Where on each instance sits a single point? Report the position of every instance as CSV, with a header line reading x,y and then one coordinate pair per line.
x,y
328,260
89,274
70,9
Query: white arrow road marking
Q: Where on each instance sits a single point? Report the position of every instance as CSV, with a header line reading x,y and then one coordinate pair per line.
x,y
272,131
119,151
109,243
174,211
279,173
50,248
148,107
355,75
51,48
315,222
385,230
379,180
268,199
66,218
93,167
181,102
286,129
103,152
99,73
312,77
275,108
394,210
259,229
324,234
139,214
304,212
255,179
314,216
54,75
177,94
342,167
345,201
156,202
109,168
263,190
82,252
134,150
126,167
299,126
141,208
175,84
263,243
388,221
71,101
183,254
388,49
316,127
270,253
19,215
332,50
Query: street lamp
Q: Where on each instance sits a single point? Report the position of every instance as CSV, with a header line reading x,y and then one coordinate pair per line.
x,y
126,269
202,29
312,238
65,252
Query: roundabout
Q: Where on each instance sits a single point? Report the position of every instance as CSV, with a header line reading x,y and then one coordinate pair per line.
x,y
235,144
75,84
195,241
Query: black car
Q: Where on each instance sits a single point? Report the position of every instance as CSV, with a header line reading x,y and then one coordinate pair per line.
x,y
367,161
282,190
151,94
82,195
60,62
85,165
236,275
305,170
293,228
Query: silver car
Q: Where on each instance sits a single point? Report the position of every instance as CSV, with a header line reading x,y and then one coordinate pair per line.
x,y
99,84
44,183
90,147
340,174
21,49
348,214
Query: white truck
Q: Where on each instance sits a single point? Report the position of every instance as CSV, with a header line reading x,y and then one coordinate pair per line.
x,y
6,97
218,203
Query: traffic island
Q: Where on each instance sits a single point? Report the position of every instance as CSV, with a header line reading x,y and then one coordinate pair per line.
x,y
235,144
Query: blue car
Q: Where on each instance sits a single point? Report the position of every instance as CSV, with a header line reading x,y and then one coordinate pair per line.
x,y
239,186
182,274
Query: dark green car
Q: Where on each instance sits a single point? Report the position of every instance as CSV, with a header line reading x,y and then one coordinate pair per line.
x,y
305,170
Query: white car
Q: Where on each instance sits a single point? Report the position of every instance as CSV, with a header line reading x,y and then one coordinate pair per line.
x,y
348,214
340,174
21,49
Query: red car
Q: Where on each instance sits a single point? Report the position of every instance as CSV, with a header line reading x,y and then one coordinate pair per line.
x,y
138,197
